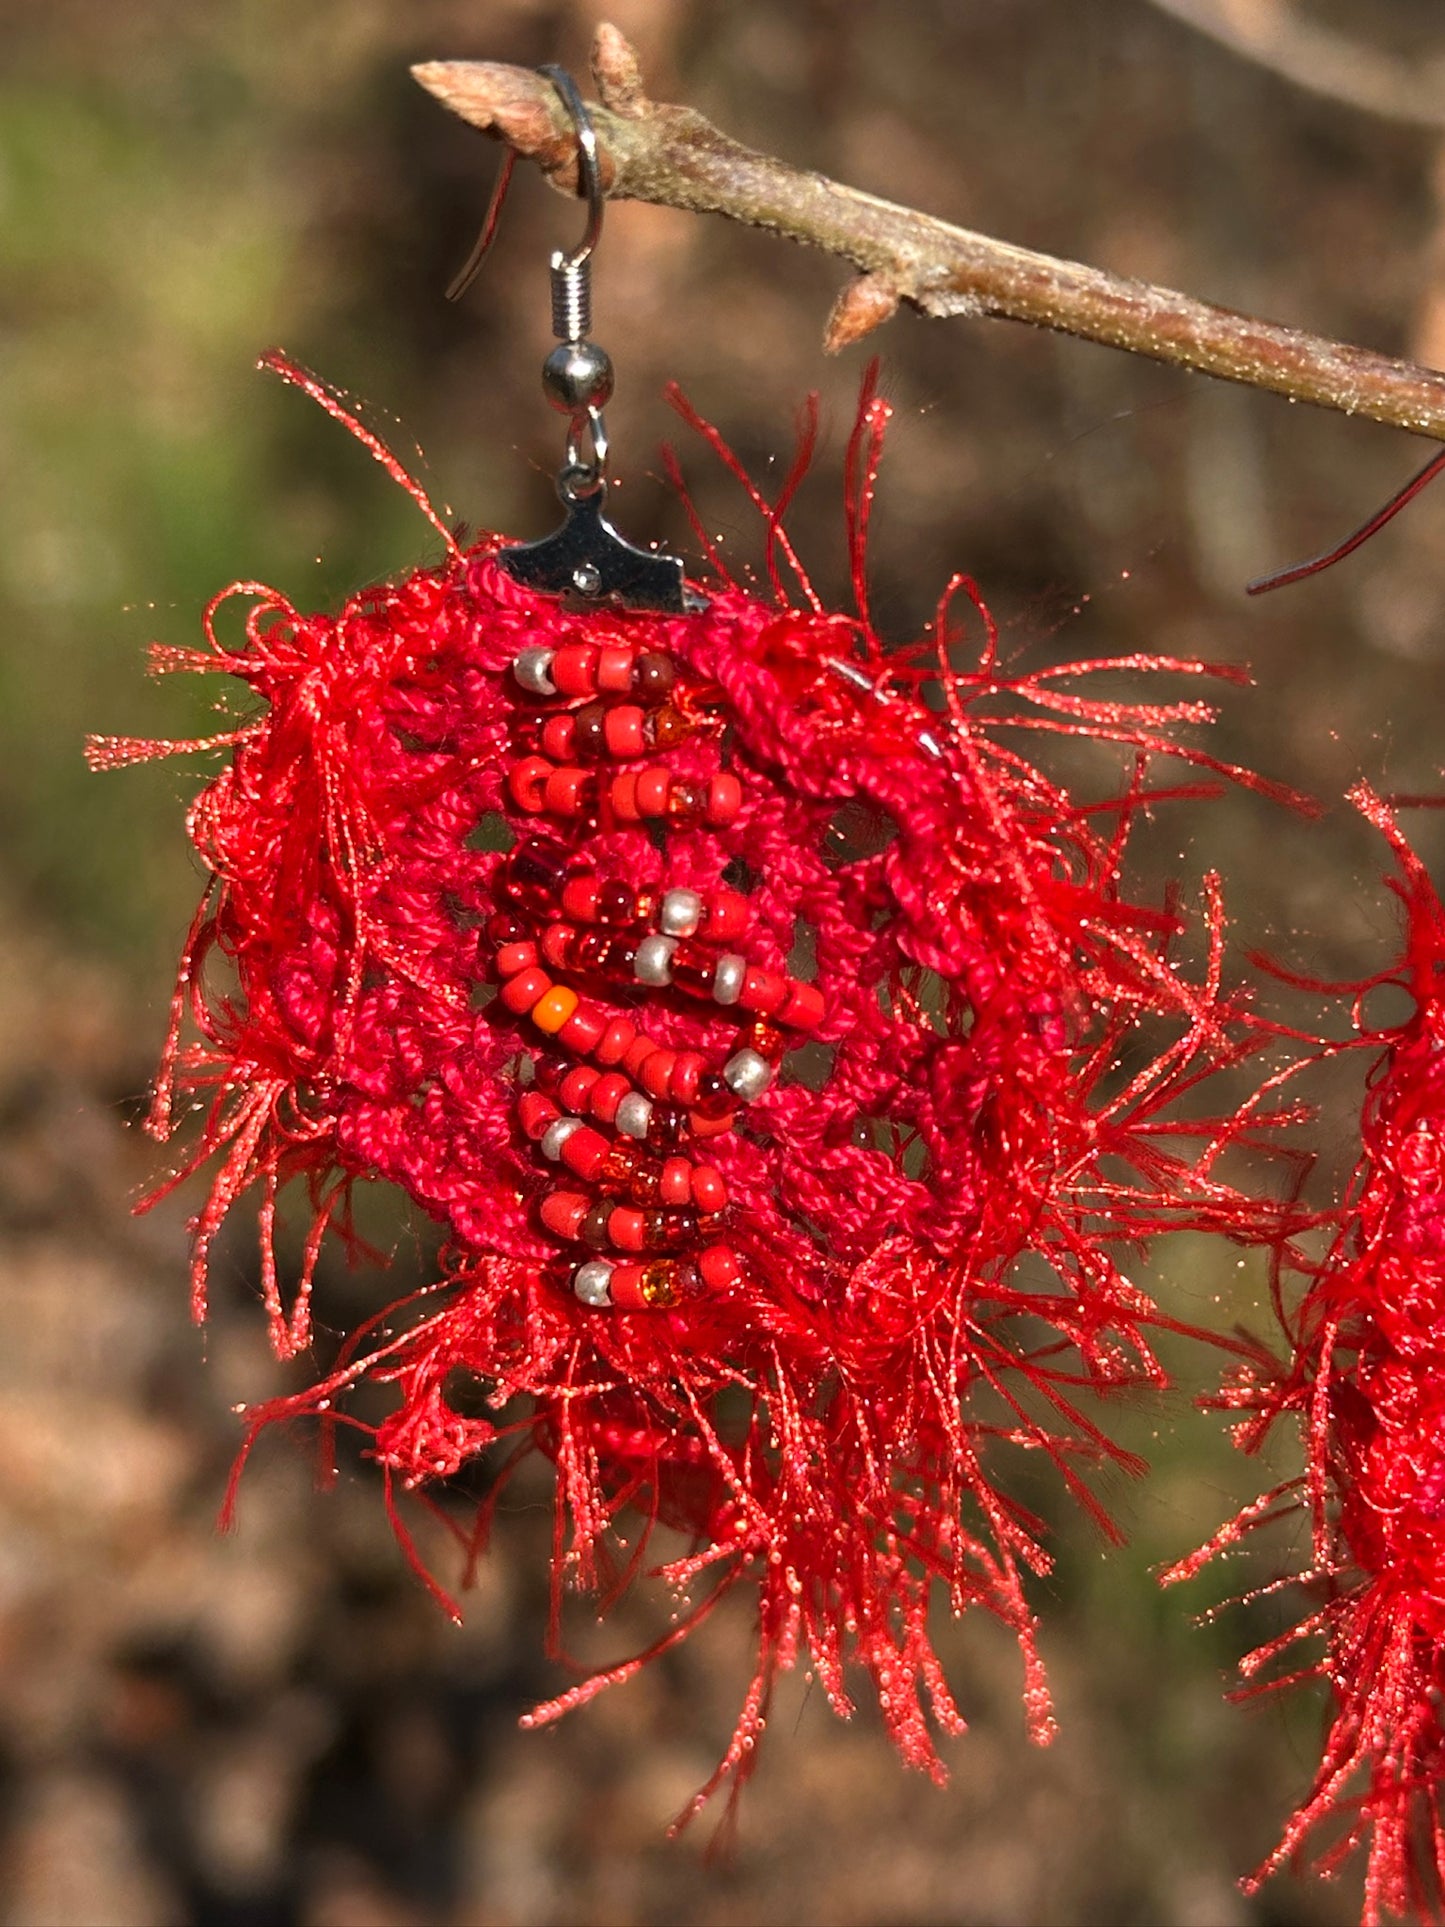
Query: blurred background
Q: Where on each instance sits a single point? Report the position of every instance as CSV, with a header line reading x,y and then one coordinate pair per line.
x,y
278,1726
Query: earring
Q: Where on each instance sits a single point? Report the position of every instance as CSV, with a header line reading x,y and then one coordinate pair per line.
x,y
775,1040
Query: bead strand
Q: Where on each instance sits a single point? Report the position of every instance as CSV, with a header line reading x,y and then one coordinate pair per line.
x,y
631,1192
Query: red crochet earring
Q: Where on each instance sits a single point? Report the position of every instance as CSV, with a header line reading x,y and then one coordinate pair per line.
x,y
774,1038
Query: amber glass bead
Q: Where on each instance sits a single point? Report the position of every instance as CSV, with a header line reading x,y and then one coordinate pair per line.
x,y
763,1038
621,1165
687,799
645,1185
658,1285
669,727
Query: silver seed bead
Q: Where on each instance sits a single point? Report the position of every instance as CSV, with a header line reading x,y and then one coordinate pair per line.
x,y
533,670
557,1134
634,1114
592,1282
653,962
747,1074
681,913
727,982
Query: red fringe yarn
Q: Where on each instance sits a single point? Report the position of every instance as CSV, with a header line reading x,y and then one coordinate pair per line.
x,y
1366,1385
923,1216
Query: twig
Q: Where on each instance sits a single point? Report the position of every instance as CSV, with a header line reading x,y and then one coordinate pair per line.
x,y
672,157
1272,35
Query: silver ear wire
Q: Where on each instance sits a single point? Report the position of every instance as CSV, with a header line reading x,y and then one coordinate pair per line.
x,y
586,557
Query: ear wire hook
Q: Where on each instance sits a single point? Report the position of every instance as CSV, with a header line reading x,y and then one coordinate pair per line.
x,y
589,182
586,557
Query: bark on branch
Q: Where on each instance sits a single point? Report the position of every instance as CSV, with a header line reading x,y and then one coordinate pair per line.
x,y
672,157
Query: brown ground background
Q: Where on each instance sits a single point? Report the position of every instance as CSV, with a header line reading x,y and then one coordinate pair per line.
x,y
277,1727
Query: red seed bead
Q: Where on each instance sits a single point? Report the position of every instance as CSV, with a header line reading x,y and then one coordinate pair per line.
x,y
528,987
687,1071
627,1228
606,1094
527,781
763,990
577,1086
536,872
709,1193
585,1152
623,796
503,927
624,732
593,1228
638,1053
676,1183
625,1287
616,902
574,669
667,1128
563,1211
693,967
724,799
579,897
559,738
584,1029
686,1281
589,732
803,1008
567,791
656,1073
653,676
703,1126
614,669
536,1114
652,788
513,957
666,1230
728,915
720,1267
557,944
714,1098
616,1042
548,1072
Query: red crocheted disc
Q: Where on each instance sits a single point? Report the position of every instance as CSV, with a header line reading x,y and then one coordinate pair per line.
x,y
749,1009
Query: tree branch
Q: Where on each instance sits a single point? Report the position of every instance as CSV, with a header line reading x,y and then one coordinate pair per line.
x,y
1272,35
672,157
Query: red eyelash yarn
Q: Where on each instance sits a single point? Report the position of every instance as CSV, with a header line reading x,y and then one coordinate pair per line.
x,y
1366,1385
774,1040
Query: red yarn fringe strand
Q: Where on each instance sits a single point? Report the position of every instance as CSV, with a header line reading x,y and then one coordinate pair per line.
x,y
753,1013
1365,1384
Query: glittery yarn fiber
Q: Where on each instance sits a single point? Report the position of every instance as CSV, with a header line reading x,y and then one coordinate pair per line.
x,y
774,1041
1364,1384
